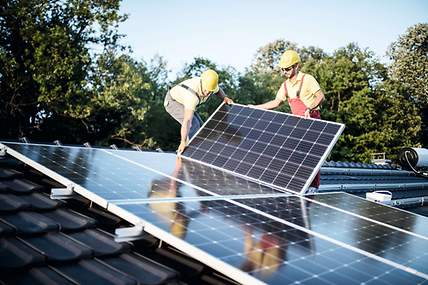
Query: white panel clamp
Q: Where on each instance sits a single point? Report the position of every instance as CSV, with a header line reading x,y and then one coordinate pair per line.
x,y
3,150
137,148
382,197
129,234
62,193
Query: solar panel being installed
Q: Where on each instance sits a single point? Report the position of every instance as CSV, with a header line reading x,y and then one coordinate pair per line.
x,y
275,148
235,235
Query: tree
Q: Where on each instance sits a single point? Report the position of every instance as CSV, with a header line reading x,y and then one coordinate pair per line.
x,y
46,61
409,55
410,62
378,120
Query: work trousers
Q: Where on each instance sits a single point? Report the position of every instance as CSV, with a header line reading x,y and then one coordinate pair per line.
x,y
176,110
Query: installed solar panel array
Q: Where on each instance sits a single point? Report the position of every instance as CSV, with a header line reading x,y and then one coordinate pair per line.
x,y
276,148
249,231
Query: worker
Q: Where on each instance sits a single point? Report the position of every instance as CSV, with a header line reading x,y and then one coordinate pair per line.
x,y
301,91
181,102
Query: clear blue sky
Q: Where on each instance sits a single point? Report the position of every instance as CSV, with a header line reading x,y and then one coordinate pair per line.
x,y
229,32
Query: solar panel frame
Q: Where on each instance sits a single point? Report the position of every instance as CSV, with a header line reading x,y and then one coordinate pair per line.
x,y
249,170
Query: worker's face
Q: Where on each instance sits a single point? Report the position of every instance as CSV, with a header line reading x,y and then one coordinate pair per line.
x,y
289,71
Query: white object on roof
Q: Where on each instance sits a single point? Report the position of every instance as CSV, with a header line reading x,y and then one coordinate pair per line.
x,y
383,197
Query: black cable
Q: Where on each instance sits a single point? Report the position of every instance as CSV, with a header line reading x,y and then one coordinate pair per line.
x,y
420,173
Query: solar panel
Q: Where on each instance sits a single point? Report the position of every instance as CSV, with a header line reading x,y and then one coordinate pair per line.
x,y
363,234
104,177
213,180
387,215
265,248
248,231
116,175
275,148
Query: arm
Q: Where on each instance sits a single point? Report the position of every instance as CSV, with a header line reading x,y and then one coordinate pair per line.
x,y
184,131
224,97
270,105
319,97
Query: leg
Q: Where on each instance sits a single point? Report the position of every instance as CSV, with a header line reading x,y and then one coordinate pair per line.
x,y
196,124
317,181
175,109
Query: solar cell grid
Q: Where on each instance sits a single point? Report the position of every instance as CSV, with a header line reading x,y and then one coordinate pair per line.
x,y
106,176
383,214
266,249
275,148
354,231
211,179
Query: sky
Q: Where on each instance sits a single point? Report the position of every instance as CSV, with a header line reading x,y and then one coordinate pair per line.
x,y
229,32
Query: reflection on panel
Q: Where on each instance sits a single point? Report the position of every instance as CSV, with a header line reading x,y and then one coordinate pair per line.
x,y
211,179
108,176
388,215
371,237
266,249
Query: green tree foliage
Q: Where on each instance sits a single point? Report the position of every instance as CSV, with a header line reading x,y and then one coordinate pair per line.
x,y
410,62
378,120
129,99
46,62
409,55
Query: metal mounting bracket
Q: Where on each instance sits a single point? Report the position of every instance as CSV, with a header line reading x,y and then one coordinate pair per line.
x,y
129,234
62,193
3,150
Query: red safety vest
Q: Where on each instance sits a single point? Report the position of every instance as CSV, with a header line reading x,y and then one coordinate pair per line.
x,y
297,106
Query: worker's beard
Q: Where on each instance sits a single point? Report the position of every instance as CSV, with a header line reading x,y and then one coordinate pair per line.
x,y
294,72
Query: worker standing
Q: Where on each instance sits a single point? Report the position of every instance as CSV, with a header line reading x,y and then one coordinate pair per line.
x,y
181,102
301,91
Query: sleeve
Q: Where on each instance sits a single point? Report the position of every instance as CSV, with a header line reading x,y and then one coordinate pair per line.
x,y
312,84
280,95
220,93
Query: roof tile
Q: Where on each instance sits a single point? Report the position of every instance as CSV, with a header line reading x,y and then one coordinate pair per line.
x,y
58,247
15,254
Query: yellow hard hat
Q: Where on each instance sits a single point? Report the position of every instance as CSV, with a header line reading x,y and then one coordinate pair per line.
x,y
289,58
210,81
